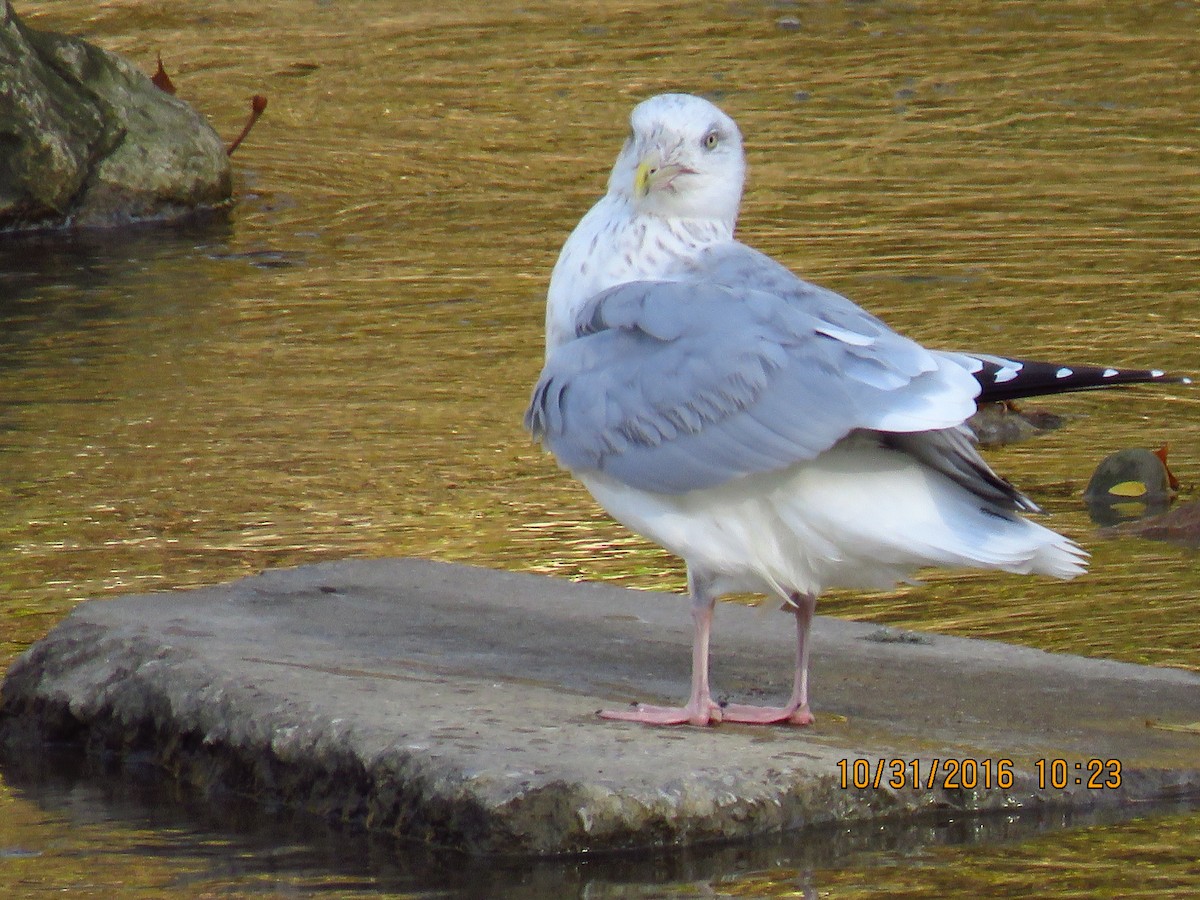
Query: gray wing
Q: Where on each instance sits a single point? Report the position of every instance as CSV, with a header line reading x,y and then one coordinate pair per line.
x,y
671,386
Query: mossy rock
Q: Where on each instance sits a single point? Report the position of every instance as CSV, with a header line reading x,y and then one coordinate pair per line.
x,y
87,140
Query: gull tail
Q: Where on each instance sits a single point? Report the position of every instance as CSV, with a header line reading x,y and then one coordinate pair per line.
x,y
1001,378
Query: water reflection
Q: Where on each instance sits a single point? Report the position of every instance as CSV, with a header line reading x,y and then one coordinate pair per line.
x,y
57,283
180,844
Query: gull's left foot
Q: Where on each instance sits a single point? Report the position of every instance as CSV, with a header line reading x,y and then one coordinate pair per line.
x,y
702,712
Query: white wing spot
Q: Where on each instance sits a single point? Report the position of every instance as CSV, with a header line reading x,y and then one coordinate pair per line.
x,y
1064,372
1157,373
1003,375
853,338
1109,373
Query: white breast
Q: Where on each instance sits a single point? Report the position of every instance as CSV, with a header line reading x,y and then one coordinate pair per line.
x,y
612,246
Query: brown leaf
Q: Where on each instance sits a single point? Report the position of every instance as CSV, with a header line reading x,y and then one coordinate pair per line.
x,y
161,79
1161,453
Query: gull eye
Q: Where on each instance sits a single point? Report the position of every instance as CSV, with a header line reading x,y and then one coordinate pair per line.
x,y
710,140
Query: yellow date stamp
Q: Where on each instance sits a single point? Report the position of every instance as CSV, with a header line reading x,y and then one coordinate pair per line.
x,y
948,774
955,773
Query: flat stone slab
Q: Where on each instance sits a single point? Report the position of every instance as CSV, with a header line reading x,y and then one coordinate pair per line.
x,y
456,706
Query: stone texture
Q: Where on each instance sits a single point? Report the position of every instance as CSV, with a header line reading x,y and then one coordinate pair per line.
x,y
87,140
455,705
996,424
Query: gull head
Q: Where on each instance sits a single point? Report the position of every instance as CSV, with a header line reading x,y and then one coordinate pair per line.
x,y
683,159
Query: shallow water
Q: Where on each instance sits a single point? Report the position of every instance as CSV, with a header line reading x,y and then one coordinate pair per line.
x,y
340,366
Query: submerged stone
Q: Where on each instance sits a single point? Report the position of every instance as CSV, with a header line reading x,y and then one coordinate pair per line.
x,y
456,706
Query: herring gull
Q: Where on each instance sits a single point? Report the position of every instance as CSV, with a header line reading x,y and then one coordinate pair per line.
x,y
774,435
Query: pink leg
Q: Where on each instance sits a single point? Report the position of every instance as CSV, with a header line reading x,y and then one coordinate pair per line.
x,y
796,712
701,709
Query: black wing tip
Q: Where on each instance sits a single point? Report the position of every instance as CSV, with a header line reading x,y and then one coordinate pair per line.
x,y
1013,379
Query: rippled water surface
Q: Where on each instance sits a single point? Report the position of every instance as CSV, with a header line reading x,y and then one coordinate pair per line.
x,y
339,368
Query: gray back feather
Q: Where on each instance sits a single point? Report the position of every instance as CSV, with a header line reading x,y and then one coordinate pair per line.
x,y
737,367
